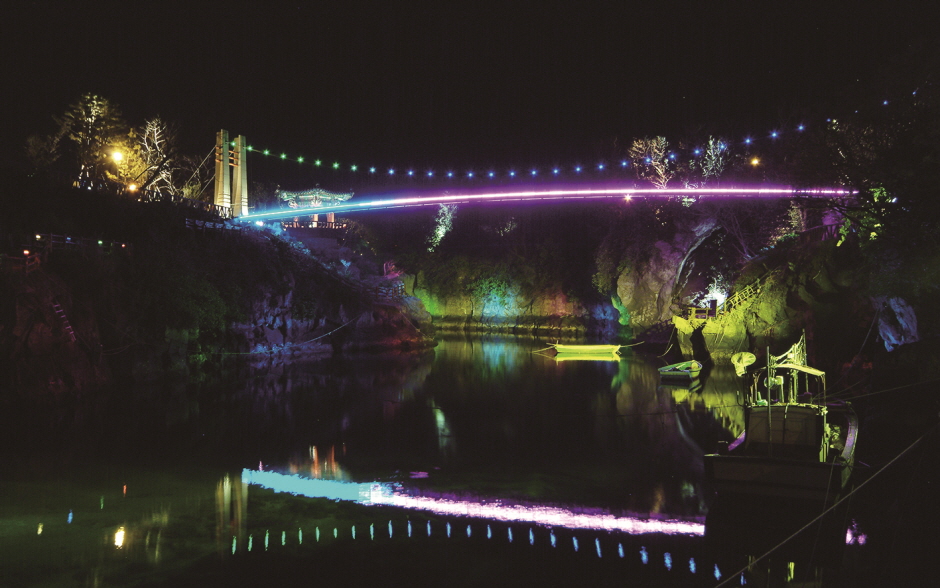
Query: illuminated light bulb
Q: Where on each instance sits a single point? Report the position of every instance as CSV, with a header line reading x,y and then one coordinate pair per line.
x,y
38,237
747,141
300,159
335,165
885,103
317,163
672,156
266,152
698,151
26,252
623,163
755,161
119,538
469,174
411,172
132,187
250,148
430,174
555,171
773,135
118,156
371,170
578,169
667,560
600,166
491,174
512,174
283,156
39,529
534,172
597,544
450,174
574,542
354,167
692,565
801,128
391,172
648,160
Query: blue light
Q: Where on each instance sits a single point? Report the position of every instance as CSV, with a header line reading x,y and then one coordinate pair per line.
x,y
469,174
698,151
371,170
885,103
411,172
450,174
534,173
648,160
555,171
623,163
578,169
747,141
672,156
773,134
391,172
801,128
430,174
512,174
491,174
600,166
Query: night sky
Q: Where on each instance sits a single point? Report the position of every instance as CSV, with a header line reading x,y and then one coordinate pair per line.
x,y
449,84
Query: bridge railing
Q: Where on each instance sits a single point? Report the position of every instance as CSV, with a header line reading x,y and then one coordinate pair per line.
x,y
317,224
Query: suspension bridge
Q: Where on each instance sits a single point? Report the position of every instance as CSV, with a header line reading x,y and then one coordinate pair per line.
x,y
231,198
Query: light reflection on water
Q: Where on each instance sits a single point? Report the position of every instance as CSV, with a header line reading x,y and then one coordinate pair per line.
x,y
481,427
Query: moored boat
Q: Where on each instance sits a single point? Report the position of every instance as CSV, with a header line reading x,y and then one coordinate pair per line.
x,y
795,444
587,349
685,370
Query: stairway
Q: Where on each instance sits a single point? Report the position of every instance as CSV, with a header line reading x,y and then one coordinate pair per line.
x,y
65,320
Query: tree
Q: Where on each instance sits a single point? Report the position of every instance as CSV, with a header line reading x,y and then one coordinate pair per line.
x,y
652,160
95,128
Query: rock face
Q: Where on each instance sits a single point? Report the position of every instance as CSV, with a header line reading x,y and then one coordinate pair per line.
x,y
648,294
812,293
550,313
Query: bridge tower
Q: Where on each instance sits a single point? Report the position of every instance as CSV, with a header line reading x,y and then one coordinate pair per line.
x,y
231,185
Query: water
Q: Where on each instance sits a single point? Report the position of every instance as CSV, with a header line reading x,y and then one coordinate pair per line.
x,y
593,464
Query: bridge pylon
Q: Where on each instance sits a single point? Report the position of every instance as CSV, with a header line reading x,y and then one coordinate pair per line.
x,y
231,173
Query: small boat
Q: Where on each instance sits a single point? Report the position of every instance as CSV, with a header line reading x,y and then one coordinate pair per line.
x,y
685,370
792,446
587,349
565,356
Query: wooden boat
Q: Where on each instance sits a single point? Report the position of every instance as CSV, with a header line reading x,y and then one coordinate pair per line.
x,y
685,370
565,356
587,349
791,447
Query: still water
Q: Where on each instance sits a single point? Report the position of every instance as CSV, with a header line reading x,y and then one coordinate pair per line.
x,y
485,460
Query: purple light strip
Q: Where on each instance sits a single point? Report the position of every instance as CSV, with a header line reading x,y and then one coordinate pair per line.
x,y
558,194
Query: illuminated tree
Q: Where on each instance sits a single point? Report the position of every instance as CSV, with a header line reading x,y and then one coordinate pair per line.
x,y
652,160
95,128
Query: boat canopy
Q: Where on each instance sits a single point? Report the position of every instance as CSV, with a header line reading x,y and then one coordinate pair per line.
x,y
801,368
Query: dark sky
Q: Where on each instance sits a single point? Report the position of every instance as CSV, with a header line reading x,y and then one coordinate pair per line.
x,y
442,84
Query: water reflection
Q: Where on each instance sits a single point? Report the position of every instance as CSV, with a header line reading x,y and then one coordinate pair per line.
x,y
480,436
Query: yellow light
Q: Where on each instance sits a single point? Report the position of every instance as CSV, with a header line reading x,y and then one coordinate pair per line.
x,y
755,161
132,187
26,252
118,156
39,530
38,237
119,538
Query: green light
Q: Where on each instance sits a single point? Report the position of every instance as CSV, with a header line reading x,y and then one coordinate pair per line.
x,y
336,165
317,163
283,156
266,152
250,148
233,143
300,159
354,167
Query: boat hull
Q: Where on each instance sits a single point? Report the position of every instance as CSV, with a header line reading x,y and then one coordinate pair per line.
x,y
686,370
587,349
739,473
